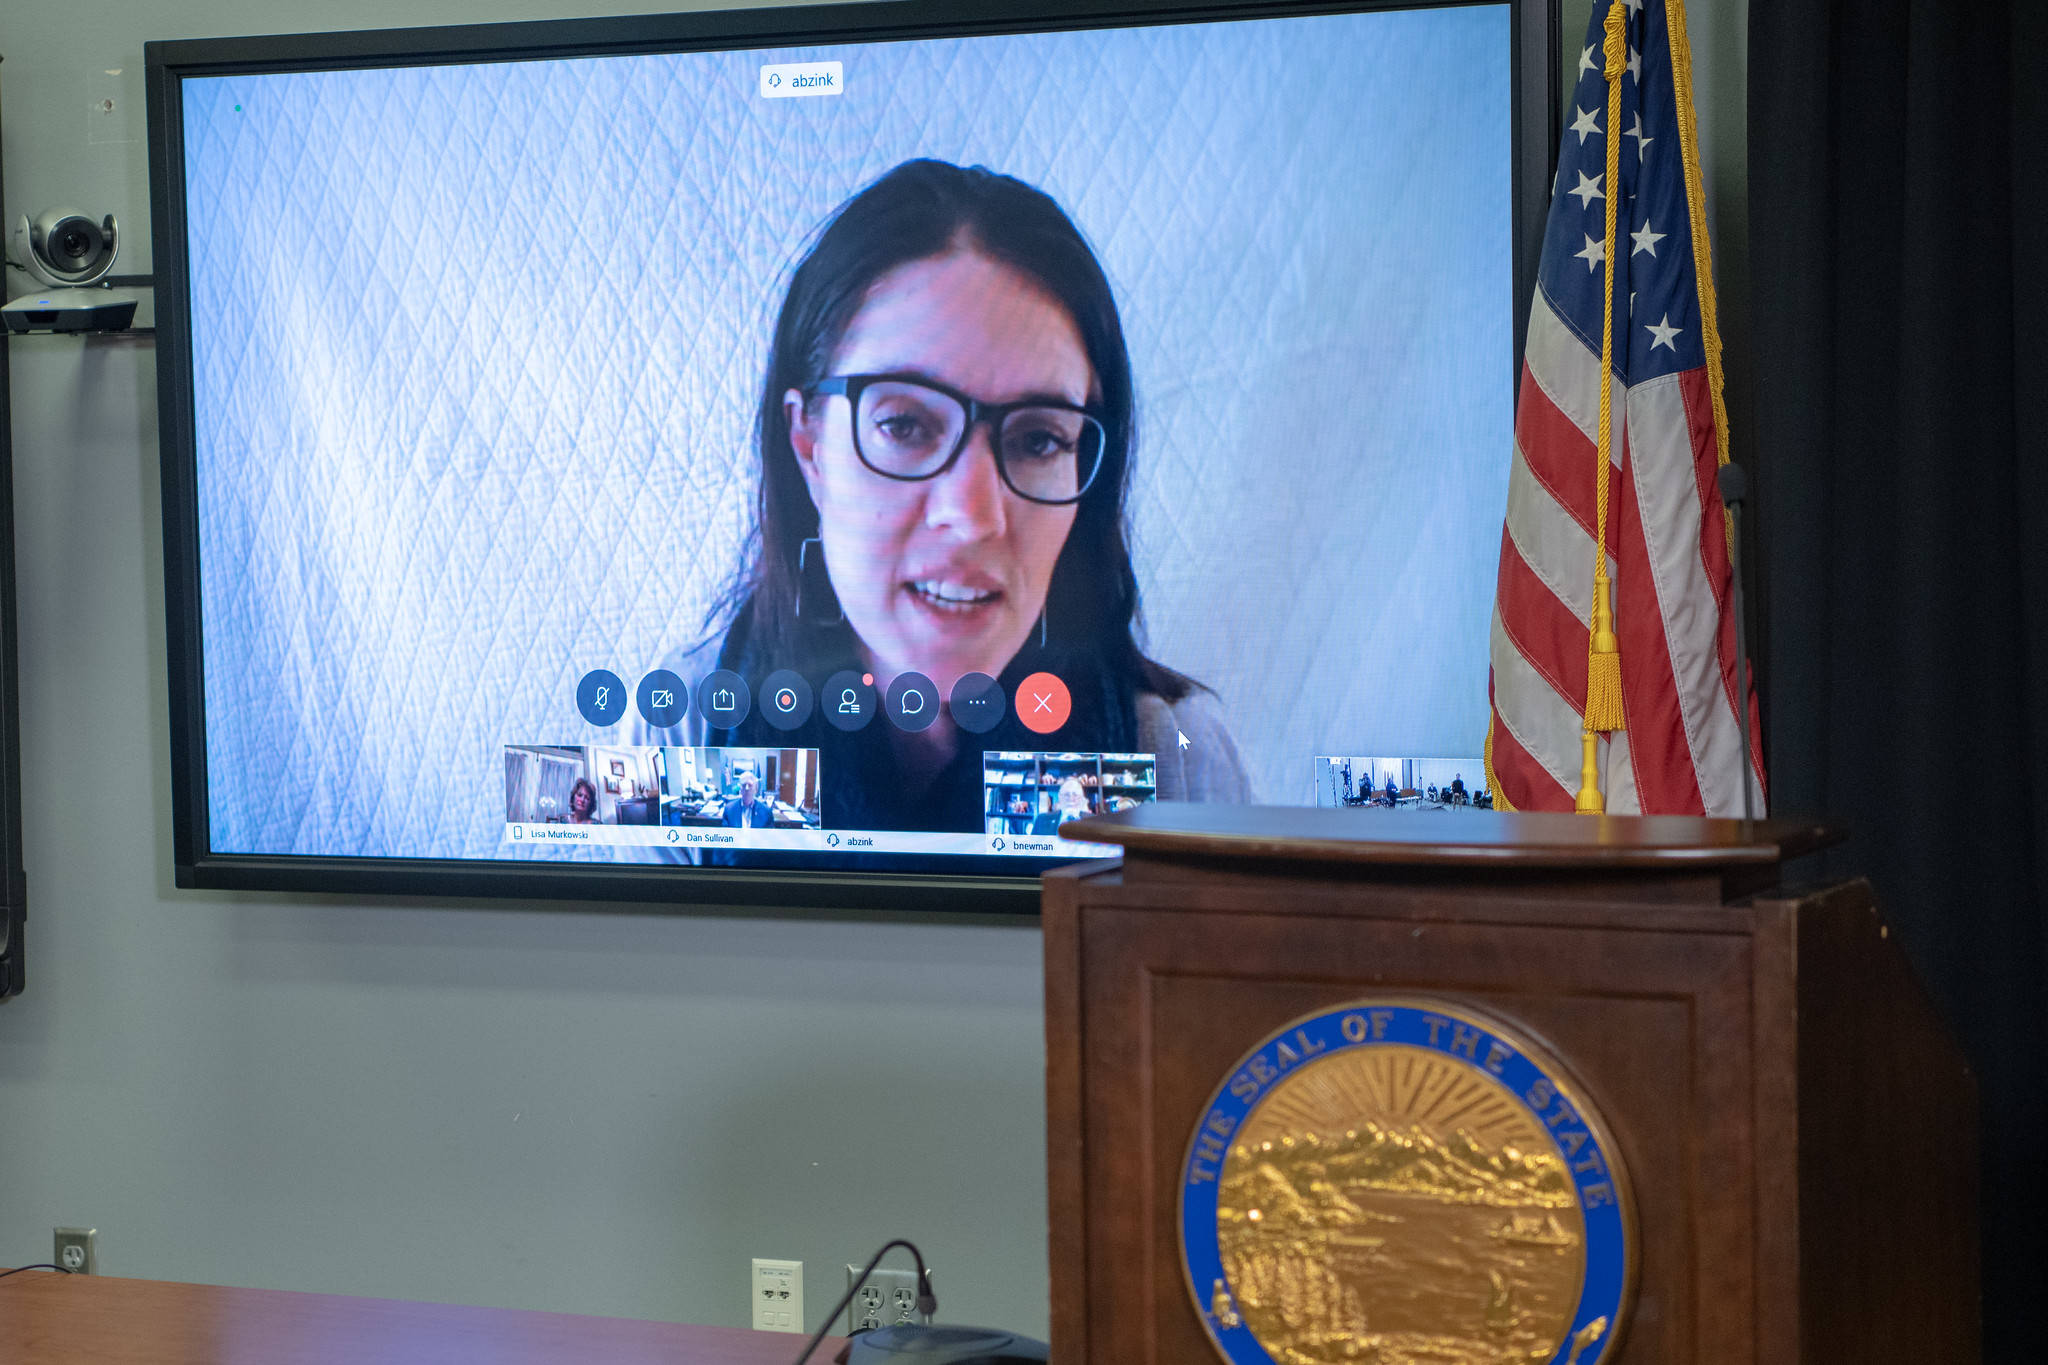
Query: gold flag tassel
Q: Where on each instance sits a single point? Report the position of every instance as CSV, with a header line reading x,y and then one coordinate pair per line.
x,y
1603,651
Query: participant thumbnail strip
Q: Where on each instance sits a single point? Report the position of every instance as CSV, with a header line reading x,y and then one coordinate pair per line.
x,y
1429,783
741,788
598,784
1030,794
602,787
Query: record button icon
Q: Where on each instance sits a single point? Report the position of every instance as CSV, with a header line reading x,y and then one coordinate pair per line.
x,y
785,699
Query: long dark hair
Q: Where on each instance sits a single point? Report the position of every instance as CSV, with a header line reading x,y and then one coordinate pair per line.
x,y
921,209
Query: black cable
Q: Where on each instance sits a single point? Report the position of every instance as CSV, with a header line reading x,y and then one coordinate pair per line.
x,y
45,1265
927,1302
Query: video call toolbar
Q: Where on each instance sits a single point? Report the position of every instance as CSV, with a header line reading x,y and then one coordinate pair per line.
x,y
849,700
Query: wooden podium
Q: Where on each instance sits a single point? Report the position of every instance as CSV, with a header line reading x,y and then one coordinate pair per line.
x,y
1798,1129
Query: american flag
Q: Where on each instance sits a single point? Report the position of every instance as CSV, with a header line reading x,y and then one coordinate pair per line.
x,y
1667,545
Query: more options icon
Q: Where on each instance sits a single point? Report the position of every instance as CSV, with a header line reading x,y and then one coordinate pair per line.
x,y
785,699
723,699
977,703
913,701
849,700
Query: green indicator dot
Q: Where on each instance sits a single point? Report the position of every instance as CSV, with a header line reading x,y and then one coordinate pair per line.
x,y
238,108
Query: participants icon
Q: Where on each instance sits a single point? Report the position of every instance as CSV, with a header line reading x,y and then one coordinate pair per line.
x,y
601,697
850,701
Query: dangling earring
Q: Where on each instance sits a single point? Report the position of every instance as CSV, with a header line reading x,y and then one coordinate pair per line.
x,y
814,580
1041,627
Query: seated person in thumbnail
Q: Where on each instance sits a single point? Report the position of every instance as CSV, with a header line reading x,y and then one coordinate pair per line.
x,y
945,441
1073,806
583,802
745,811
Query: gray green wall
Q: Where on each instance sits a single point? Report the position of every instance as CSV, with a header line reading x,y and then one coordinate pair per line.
x,y
528,1106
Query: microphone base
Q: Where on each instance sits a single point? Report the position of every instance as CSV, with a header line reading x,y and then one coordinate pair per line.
x,y
942,1345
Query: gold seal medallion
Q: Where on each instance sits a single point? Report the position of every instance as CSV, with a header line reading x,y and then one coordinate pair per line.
x,y
1402,1181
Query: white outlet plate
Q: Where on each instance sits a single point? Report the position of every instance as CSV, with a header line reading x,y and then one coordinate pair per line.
x,y
76,1249
888,1298
777,1293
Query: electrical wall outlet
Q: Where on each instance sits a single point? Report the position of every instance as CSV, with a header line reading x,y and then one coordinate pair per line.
x,y
778,1295
888,1298
75,1250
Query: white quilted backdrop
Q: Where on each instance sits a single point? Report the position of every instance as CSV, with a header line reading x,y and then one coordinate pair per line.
x,y
476,347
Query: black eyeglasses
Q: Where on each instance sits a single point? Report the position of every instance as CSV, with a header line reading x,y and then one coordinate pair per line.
x,y
909,428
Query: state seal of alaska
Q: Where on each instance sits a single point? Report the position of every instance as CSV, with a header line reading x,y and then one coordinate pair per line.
x,y
1401,1181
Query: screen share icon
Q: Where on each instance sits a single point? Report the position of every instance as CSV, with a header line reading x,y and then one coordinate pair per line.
x,y
723,699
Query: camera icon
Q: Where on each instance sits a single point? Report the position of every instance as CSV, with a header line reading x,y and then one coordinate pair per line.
x,y
662,699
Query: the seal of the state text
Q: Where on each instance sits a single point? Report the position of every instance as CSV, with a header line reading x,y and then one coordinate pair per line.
x,y
1403,1180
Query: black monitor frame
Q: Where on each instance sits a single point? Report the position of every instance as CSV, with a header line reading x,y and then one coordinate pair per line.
x,y
13,882
1532,35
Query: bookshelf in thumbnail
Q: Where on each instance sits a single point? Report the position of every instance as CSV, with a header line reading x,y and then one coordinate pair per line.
x,y
1033,793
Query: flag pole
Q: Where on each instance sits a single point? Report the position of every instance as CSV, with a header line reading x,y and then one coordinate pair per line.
x,y
1603,713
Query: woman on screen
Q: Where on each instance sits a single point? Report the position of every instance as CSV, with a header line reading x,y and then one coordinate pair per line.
x,y
583,802
945,438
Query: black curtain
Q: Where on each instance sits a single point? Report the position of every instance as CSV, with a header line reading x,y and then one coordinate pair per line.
x,y
1897,222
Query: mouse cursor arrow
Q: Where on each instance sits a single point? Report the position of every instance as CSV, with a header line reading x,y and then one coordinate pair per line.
x,y
1182,737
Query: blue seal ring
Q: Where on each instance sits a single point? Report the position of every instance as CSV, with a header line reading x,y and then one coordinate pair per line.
x,y
1536,1080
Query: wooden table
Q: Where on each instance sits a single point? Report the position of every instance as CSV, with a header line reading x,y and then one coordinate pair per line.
x,y
52,1319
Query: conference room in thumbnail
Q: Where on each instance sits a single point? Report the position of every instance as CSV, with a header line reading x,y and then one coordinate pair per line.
x,y
661,786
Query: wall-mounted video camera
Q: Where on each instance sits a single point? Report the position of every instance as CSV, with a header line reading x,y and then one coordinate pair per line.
x,y
66,250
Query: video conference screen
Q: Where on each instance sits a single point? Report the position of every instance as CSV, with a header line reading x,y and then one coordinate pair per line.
x,y
872,455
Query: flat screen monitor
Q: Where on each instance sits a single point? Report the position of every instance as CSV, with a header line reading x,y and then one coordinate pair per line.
x,y
810,456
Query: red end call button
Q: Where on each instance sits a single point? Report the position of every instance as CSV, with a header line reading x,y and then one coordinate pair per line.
x,y
1043,703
